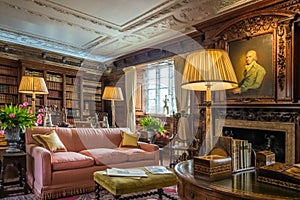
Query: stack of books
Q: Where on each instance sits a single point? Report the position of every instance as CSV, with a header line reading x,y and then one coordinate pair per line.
x,y
3,143
239,150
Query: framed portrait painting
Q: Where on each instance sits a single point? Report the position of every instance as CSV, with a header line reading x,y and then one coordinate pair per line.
x,y
256,80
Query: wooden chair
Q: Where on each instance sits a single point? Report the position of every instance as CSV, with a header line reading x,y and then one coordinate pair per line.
x,y
180,144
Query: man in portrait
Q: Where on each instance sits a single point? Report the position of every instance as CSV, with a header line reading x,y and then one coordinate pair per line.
x,y
253,74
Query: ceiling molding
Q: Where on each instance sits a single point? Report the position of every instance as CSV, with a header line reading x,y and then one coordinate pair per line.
x,y
75,29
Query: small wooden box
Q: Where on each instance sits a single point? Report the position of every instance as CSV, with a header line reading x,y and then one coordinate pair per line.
x,y
265,158
212,167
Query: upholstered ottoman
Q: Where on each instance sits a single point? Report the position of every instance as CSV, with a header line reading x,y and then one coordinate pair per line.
x,y
118,186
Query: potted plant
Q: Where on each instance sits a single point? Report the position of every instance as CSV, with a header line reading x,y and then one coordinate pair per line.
x,y
13,119
154,127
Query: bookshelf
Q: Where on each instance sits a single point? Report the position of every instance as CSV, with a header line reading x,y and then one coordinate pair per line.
x,y
8,84
54,83
77,91
91,90
73,97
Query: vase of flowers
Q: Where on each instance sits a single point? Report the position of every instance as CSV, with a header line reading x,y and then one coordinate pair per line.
x,y
154,127
14,119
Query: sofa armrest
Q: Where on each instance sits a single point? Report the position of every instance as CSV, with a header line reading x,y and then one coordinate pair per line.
x,y
148,147
41,163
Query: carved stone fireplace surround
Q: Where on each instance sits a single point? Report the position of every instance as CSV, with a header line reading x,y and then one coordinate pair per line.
x,y
285,122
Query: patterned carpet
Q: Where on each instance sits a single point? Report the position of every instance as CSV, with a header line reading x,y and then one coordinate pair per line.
x,y
172,191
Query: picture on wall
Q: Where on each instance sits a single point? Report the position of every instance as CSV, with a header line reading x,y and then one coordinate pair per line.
x,y
252,61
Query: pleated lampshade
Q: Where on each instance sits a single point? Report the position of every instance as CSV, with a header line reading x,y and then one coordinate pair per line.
x,y
209,67
112,93
33,84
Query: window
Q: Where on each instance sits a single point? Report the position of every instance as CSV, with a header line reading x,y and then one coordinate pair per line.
x,y
159,88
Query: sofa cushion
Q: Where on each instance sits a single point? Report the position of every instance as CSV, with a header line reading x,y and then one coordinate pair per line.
x,y
105,156
89,138
50,141
70,160
129,139
135,154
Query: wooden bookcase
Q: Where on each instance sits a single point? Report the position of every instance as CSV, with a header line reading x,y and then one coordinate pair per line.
x,y
9,82
78,92
91,90
73,97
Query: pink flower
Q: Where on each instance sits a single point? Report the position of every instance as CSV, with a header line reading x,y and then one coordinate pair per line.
x,y
1,132
30,112
41,110
41,115
20,106
25,104
158,135
11,115
39,121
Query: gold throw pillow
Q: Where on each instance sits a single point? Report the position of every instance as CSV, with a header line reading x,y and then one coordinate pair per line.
x,y
50,141
129,139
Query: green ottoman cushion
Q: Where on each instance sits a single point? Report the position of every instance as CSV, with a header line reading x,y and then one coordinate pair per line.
x,y
126,185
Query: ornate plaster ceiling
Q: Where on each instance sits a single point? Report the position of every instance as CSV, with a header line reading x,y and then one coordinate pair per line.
x,y
103,30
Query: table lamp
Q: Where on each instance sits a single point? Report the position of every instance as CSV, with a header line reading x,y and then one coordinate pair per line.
x,y
207,70
33,85
114,94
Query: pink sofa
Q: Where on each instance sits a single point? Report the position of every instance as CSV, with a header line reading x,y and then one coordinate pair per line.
x,y
54,175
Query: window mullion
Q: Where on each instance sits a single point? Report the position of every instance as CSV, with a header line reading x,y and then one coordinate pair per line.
x,y
157,89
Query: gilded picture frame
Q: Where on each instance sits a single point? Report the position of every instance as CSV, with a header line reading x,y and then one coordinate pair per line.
x,y
263,46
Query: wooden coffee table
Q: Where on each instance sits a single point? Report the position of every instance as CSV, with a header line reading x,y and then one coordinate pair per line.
x,y
240,186
119,186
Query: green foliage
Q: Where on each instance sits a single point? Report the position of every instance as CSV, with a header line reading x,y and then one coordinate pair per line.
x,y
17,115
149,123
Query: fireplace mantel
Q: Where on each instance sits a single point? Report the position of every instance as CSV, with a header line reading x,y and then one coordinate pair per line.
x,y
287,127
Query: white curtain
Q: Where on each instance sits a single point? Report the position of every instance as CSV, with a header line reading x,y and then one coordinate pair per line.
x,y
182,95
130,92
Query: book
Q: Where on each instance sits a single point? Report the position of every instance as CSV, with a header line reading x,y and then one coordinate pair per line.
x,y
126,172
158,170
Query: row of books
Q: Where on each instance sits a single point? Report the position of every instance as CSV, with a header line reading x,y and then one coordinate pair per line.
x,y
54,78
3,143
8,80
54,86
8,71
55,94
241,154
71,95
38,101
70,80
72,88
239,150
72,104
4,98
11,89
34,73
